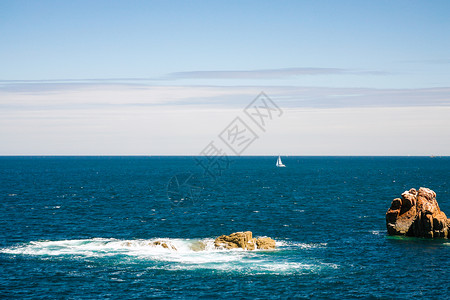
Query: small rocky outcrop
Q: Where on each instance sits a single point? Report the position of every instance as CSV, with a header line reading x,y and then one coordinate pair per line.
x,y
243,240
265,243
417,213
164,245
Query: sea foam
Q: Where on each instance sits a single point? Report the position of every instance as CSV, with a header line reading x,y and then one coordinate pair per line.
x,y
180,254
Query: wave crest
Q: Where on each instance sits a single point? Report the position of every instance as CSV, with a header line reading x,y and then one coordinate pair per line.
x,y
177,254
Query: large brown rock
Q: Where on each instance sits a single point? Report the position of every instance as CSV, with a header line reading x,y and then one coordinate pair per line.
x,y
265,243
417,213
244,240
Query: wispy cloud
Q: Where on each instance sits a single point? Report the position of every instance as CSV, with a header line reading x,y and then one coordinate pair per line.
x,y
211,74
122,119
90,96
70,80
268,73
320,97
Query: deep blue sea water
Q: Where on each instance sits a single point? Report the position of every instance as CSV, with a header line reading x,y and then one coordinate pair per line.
x,y
80,228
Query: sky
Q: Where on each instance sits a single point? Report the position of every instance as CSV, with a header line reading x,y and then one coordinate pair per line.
x,y
170,77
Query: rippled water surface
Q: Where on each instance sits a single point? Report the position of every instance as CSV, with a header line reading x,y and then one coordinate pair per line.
x,y
86,227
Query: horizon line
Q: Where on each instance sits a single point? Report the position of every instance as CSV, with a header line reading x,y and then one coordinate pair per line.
x,y
196,155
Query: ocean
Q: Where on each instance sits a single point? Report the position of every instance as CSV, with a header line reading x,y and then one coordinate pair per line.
x,y
84,227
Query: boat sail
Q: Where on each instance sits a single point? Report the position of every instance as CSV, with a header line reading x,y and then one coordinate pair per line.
x,y
280,163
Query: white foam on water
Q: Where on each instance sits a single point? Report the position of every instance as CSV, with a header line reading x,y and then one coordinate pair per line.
x,y
307,245
107,247
252,267
176,254
280,243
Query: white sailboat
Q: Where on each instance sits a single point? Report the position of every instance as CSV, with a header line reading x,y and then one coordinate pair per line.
x,y
280,163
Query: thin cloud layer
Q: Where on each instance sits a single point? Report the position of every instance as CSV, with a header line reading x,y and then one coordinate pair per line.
x,y
267,73
86,119
211,74
59,95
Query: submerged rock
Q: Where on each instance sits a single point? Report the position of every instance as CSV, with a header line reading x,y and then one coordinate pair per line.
x,y
198,246
243,240
417,214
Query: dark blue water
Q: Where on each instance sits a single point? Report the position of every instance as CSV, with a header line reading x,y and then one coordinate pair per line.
x,y
80,228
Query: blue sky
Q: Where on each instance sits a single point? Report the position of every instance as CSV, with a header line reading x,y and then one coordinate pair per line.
x,y
97,77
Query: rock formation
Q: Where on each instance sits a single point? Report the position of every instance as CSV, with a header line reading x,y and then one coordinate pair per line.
x,y
243,240
265,243
417,214
163,244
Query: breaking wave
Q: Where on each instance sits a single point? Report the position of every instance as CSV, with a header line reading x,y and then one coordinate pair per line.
x,y
176,254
